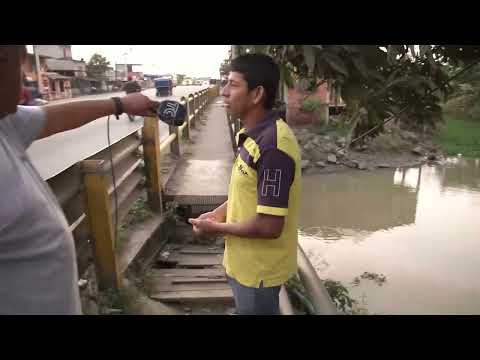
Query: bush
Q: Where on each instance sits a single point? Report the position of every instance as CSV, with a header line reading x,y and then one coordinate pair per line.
x,y
316,108
388,142
311,105
465,106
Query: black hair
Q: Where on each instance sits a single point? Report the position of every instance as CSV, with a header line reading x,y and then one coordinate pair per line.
x,y
259,70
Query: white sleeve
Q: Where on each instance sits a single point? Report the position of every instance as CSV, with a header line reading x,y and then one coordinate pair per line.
x,y
29,122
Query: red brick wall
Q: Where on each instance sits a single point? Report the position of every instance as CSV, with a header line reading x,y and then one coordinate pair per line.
x,y
295,98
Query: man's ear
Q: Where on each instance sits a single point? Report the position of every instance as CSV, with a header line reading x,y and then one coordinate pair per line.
x,y
259,94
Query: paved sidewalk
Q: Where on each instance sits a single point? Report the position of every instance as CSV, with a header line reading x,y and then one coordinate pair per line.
x,y
213,141
202,175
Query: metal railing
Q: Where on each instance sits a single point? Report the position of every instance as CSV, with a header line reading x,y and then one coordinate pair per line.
x,y
86,194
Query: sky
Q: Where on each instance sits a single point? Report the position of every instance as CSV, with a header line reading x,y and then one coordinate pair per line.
x,y
191,60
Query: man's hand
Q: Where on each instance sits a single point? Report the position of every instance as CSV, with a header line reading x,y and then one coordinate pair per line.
x,y
212,215
206,226
219,215
139,104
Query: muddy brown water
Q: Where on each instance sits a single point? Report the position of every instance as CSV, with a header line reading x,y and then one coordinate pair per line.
x,y
419,227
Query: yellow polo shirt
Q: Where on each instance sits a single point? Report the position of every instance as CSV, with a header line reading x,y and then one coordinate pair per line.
x,y
266,179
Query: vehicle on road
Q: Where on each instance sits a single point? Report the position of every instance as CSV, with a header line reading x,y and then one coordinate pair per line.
x,y
132,87
163,86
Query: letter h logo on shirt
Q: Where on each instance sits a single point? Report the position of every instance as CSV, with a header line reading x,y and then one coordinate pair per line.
x,y
271,181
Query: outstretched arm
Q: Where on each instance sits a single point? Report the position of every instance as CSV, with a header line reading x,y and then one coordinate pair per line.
x,y
67,116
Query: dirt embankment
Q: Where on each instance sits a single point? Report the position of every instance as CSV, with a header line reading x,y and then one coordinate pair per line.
x,y
325,152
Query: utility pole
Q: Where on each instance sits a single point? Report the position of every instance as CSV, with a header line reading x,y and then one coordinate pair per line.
x,y
39,71
125,54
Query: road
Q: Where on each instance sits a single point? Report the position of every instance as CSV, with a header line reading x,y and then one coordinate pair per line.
x,y
56,153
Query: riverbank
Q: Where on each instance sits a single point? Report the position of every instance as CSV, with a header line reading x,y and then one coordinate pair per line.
x,y
323,150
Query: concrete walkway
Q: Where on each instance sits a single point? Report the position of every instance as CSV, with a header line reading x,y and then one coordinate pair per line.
x,y
213,141
202,176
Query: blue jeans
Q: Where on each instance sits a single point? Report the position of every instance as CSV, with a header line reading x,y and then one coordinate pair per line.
x,y
255,301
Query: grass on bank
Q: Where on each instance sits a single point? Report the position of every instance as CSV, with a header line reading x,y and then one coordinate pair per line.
x,y
460,136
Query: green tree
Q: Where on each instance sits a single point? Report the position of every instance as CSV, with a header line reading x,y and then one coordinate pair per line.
x,y
97,67
465,99
376,81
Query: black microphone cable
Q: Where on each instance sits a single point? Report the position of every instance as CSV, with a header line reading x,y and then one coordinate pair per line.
x,y
114,183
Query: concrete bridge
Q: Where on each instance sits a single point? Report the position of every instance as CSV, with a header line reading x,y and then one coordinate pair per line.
x,y
128,229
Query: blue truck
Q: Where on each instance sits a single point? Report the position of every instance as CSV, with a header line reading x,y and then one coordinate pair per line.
x,y
164,86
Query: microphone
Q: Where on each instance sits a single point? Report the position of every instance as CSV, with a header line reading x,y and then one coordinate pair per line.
x,y
172,112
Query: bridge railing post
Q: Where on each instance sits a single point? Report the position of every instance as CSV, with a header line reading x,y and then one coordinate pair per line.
x,y
195,109
192,122
100,219
200,104
151,156
185,101
175,146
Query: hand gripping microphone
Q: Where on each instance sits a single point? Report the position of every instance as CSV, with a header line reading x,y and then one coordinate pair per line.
x,y
171,112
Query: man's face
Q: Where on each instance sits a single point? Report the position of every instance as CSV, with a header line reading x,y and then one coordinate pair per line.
x,y
236,95
11,60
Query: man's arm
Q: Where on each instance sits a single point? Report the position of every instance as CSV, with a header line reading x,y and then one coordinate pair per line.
x,y
261,226
221,212
67,116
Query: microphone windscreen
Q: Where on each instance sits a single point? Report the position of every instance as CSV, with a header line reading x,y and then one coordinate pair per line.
x,y
172,112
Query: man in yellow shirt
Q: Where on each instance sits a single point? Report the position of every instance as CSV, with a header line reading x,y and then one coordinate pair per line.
x,y
260,217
